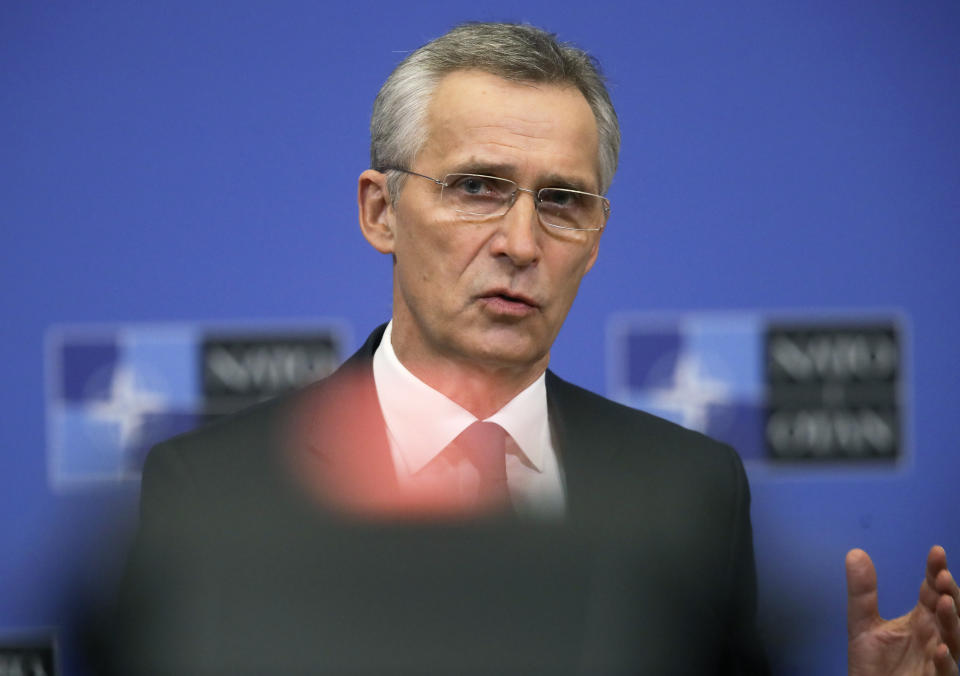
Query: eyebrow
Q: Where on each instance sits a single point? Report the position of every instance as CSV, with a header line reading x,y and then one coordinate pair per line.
x,y
503,170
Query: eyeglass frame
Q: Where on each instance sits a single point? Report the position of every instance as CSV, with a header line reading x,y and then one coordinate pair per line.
x,y
513,198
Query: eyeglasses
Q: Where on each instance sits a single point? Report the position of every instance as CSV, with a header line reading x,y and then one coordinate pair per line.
x,y
491,197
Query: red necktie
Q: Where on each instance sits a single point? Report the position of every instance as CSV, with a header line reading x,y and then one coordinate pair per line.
x,y
484,444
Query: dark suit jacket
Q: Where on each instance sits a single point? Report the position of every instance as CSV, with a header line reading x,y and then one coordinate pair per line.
x,y
264,546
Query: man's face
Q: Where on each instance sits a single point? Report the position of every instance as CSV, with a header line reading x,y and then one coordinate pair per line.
x,y
492,293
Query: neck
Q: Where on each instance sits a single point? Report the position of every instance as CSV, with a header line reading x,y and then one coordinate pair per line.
x,y
481,388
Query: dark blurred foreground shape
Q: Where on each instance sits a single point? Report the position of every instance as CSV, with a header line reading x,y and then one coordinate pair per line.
x,y
277,542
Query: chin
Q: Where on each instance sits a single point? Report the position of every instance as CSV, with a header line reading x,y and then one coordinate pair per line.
x,y
512,354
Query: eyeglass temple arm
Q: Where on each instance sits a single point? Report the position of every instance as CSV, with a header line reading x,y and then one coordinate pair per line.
x,y
412,173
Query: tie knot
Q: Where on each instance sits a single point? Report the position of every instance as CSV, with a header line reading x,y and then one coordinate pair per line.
x,y
484,443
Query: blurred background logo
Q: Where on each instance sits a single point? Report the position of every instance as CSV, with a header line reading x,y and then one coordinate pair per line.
x,y
114,392
804,389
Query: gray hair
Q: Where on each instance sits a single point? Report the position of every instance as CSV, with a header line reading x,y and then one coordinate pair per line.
x,y
511,51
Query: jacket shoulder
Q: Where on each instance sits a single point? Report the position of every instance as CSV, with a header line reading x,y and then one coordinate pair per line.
x,y
629,425
211,448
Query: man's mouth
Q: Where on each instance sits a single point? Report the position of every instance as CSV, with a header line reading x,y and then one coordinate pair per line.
x,y
510,303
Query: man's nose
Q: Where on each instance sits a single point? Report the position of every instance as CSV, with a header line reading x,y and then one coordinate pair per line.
x,y
519,234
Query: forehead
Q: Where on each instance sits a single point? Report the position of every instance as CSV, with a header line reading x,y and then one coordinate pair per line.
x,y
534,128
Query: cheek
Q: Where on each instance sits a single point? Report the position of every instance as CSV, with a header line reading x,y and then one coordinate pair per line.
x,y
570,271
571,287
430,259
450,255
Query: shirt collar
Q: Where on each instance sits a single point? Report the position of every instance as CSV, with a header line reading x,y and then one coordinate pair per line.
x,y
423,421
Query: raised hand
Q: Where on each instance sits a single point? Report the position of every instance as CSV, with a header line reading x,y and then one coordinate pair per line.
x,y
924,642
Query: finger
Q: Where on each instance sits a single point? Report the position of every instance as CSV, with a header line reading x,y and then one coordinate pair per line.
x,y
936,561
949,624
862,610
945,584
944,664
930,590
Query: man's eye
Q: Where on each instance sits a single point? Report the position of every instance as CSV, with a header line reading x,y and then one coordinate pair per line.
x,y
560,198
474,185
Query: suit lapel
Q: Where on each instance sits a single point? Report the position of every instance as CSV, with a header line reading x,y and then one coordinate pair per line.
x,y
583,444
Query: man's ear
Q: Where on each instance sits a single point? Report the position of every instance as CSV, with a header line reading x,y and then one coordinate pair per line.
x,y
375,210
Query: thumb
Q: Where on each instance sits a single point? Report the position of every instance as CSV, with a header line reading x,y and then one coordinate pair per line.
x,y
862,609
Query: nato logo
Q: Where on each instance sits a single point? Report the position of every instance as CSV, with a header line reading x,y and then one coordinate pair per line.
x,y
782,391
113,392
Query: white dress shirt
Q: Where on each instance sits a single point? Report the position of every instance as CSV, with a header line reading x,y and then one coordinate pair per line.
x,y
421,422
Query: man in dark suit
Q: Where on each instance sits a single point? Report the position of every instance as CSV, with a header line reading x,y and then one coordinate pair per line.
x,y
536,527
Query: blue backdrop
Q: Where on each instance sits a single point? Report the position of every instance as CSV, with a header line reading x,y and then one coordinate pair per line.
x,y
197,162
